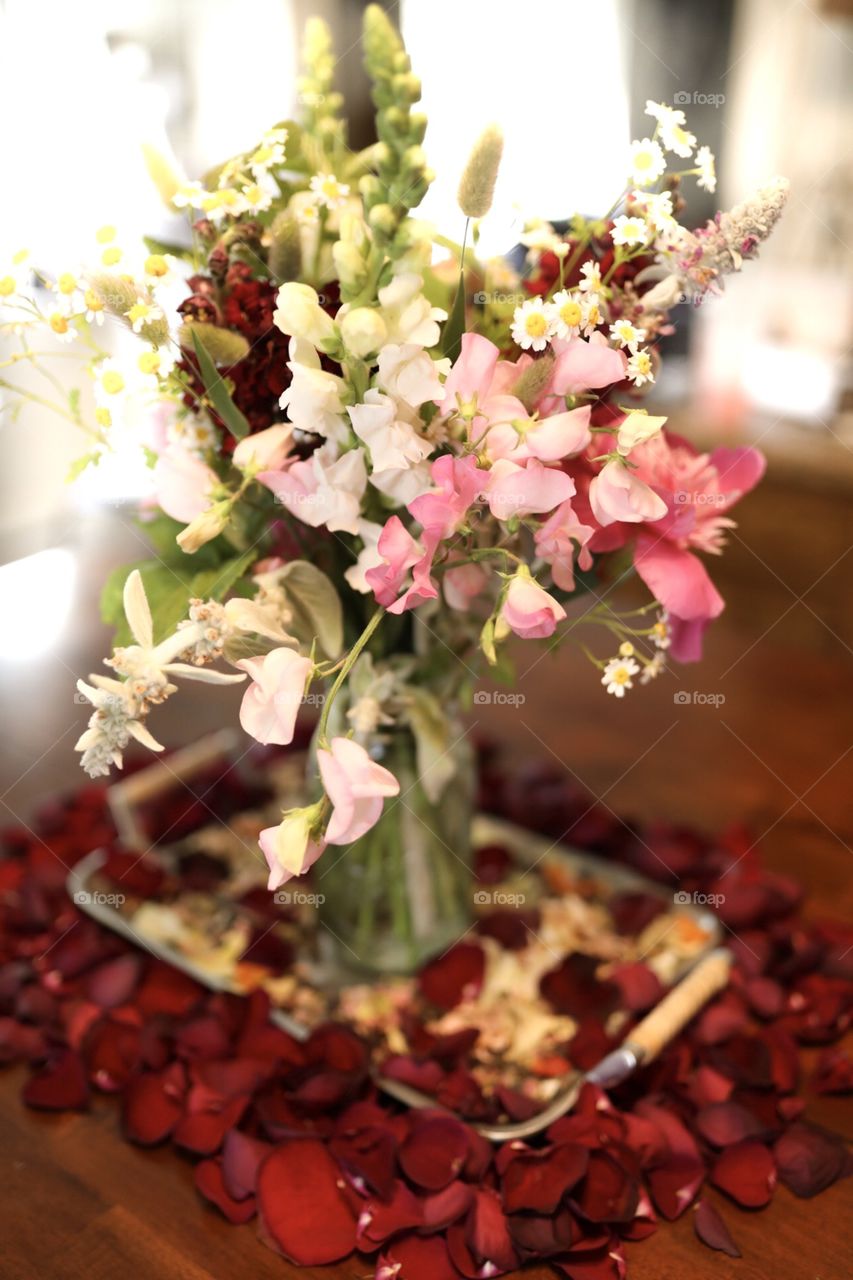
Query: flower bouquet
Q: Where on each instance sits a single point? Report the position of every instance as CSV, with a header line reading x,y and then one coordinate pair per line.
x,y
376,458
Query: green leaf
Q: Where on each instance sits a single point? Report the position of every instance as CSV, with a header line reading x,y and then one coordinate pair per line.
x,y
218,393
170,247
454,325
487,642
316,606
79,465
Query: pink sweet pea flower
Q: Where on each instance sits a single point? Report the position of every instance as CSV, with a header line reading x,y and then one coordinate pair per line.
x,y
356,786
528,609
401,552
559,539
272,701
265,450
458,482
515,490
463,584
480,378
616,494
183,483
289,848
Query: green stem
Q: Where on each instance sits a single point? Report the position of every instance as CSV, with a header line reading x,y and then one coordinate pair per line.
x,y
344,672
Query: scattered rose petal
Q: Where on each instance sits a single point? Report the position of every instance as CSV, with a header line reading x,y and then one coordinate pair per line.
x,y
210,1183
434,1151
60,1085
808,1159
712,1230
453,976
747,1173
304,1214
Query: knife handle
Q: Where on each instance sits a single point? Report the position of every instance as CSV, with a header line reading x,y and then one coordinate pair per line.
x,y
680,1005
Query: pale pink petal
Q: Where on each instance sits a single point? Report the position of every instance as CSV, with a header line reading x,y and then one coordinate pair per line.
x,y
677,578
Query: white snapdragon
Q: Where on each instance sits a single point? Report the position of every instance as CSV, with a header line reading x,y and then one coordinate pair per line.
x,y
393,443
363,331
410,374
409,316
314,398
299,314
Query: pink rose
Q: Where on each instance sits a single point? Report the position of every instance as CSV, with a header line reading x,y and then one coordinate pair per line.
x,y
356,786
528,609
271,703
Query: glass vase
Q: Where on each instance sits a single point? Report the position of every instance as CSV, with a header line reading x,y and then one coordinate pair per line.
x,y
404,890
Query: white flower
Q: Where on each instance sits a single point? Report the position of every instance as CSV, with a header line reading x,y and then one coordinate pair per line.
x,y
325,489
60,327
590,281
328,191
410,374
70,291
363,331
110,384
14,274
653,668
592,316
636,429
368,558
647,162
189,196
629,230
541,235
671,122
618,675
707,169
627,334
256,198
656,206
403,486
661,637
143,312
640,368
409,316
115,720
269,153
567,314
299,314
394,445
533,325
314,398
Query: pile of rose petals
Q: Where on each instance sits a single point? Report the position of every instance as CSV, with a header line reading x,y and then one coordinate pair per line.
x,y
295,1134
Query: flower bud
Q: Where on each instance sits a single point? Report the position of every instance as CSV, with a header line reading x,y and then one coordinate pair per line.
x,y
382,219
363,331
117,293
477,184
531,385
224,346
204,527
300,315
285,251
349,265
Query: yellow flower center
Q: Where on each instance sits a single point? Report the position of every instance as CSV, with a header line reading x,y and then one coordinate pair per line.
x,y
58,323
593,315
621,675
103,417
93,302
112,382
7,286
570,314
111,256
20,256
156,265
105,234
679,135
149,361
330,189
138,311
253,193
642,362
643,160
535,324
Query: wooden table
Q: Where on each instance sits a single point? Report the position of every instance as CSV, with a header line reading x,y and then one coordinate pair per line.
x,y
77,1201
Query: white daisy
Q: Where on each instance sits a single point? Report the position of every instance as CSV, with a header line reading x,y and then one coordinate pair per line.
x,y
627,334
14,274
661,637
590,281
143,312
630,230
592,314
618,675
533,325
656,206
706,168
640,368
328,190
647,162
653,668
60,327
567,313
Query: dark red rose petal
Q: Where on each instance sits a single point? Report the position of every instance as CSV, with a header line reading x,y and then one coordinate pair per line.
x,y
538,1180
166,990
453,976
60,1086
416,1258
541,1236
608,1192
382,1219
153,1104
604,1263
574,989
368,1154
712,1230
639,986
113,983
720,1020
446,1206
203,1132
834,1072
434,1151
809,1160
304,1214
111,1052
747,1173
724,1123
241,1159
482,1247
676,1175
210,1183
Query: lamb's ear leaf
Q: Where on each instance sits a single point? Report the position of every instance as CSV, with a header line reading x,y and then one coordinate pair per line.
x,y
218,394
316,606
431,730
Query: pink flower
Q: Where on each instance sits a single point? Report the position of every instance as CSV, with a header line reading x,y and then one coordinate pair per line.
x,y
463,584
272,701
528,609
458,482
559,539
290,848
265,450
515,490
480,378
561,436
616,494
356,786
401,552
183,484
582,365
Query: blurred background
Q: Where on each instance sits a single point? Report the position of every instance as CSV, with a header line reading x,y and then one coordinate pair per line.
x,y
768,84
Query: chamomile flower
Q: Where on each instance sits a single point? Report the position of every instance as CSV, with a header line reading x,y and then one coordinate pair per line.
x,y
156,362
538,236
14,274
566,313
143,312
592,316
158,267
306,211
671,128
69,292
630,230
94,307
590,281
532,325
269,153
619,675
60,327
653,668
256,198
627,334
647,162
189,196
656,206
110,384
328,190
661,637
707,169
193,431
640,368
227,202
